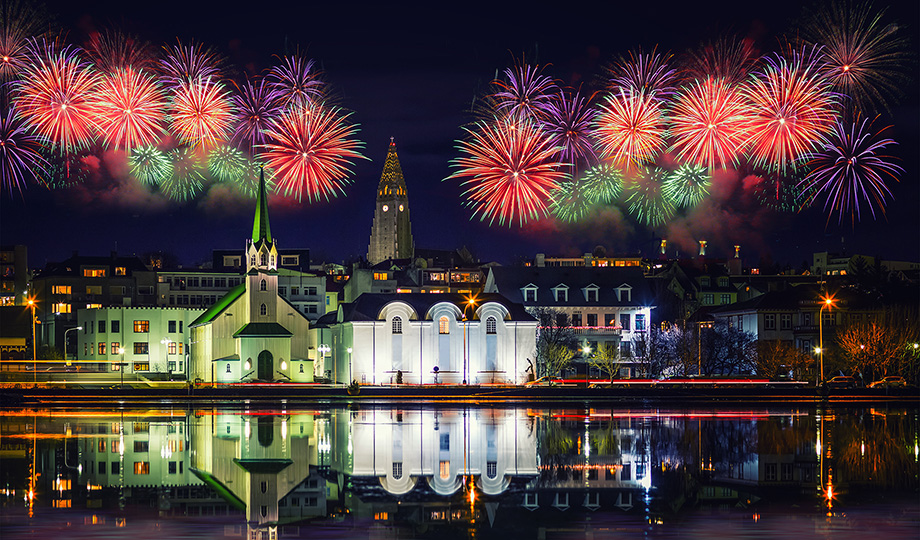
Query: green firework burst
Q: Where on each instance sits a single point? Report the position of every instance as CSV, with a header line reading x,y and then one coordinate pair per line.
x,y
687,186
248,183
647,202
602,183
150,165
569,202
185,182
227,164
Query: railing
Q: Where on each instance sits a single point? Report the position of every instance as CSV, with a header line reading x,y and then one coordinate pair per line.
x,y
603,330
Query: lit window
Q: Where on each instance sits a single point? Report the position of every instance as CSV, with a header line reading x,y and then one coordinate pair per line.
x,y
444,469
397,325
141,347
171,347
101,348
380,276
121,271
115,346
91,272
142,366
60,289
443,325
141,467
141,327
490,325
62,308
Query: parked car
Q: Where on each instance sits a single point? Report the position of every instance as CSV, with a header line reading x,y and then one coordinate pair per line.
x,y
841,381
891,381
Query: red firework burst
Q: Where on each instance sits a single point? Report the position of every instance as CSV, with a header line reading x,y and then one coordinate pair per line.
x,y
629,128
709,123
53,95
310,150
129,108
510,169
202,112
793,108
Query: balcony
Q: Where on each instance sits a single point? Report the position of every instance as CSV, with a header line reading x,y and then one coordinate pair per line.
x,y
808,328
598,330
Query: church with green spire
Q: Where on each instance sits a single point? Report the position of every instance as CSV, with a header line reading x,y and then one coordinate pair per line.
x,y
391,232
253,333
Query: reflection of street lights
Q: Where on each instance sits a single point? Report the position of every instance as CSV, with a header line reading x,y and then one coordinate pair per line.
x,y
65,342
349,366
828,302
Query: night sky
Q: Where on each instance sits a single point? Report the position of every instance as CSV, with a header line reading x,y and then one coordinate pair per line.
x,y
411,71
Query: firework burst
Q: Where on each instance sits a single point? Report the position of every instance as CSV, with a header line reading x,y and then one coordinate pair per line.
x,y
189,63
850,170
20,154
129,108
150,165
111,50
257,106
227,164
730,59
709,123
19,20
510,169
202,112
569,202
248,183
185,182
629,128
602,183
524,94
864,57
793,108
311,150
647,202
296,82
646,74
687,186
568,122
54,95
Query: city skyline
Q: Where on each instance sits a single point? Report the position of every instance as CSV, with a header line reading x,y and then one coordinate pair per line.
x,y
413,77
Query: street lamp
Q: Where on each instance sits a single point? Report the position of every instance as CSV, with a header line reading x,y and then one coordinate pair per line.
x,y
65,342
349,366
34,357
121,365
827,302
470,302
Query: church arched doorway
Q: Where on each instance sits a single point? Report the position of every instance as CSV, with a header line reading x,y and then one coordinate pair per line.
x,y
266,366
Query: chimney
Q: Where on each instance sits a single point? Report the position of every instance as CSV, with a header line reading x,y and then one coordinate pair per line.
x,y
540,259
664,248
734,265
737,251
702,248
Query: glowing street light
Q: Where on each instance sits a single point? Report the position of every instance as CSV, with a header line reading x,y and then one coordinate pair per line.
x,y
827,302
470,302
65,343
34,344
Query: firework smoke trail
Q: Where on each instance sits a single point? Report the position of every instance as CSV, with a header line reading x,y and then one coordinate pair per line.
x,y
202,112
227,164
568,121
54,95
793,108
150,165
525,94
646,74
602,183
189,63
129,108
257,106
185,182
569,202
730,59
864,57
629,128
850,169
20,153
509,168
311,150
709,124
295,82
646,200
687,186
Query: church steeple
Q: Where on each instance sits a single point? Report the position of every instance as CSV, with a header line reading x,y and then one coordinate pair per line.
x,y
391,232
261,230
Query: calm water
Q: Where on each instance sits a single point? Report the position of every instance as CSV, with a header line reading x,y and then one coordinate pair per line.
x,y
459,471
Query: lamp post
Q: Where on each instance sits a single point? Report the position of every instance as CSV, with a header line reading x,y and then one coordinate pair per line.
x,y
470,302
827,302
65,342
121,365
166,342
349,366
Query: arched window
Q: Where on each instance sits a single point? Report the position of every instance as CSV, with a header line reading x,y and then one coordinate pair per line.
x,y
262,259
263,285
252,260
263,310
264,487
301,368
397,470
443,325
490,325
273,260
397,325
228,368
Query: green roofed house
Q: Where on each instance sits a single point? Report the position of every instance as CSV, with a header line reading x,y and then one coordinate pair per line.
x,y
253,334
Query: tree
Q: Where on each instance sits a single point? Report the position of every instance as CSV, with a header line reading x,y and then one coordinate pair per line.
x,y
655,349
883,345
778,357
555,358
607,360
554,330
726,350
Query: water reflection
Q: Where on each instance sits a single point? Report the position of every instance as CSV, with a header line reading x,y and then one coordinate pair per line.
x,y
459,471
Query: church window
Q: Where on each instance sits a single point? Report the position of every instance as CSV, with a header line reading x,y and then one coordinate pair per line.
x,y
261,259
443,325
397,470
262,285
397,325
263,310
252,260
273,260
301,368
228,368
490,325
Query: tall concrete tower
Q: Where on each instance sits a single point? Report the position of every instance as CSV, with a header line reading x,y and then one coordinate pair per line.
x,y
391,233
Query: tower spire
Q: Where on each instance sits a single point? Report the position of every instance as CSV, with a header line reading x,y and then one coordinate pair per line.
x,y
261,230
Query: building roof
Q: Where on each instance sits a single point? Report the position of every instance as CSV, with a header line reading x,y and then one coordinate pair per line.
x,y
218,307
263,329
797,298
367,307
71,266
392,183
510,281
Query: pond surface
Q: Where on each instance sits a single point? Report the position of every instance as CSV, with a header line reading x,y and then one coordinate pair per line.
x,y
459,471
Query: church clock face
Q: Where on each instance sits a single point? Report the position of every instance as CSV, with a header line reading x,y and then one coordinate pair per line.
x,y
385,208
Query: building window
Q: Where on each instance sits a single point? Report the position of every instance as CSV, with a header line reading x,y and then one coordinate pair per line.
x,y
62,308
490,325
301,368
228,368
115,346
769,321
272,260
172,327
282,291
443,325
263,285
141,347
707,299
141,327
725,299
397,470
591,294
94,289
640,322
530,294
491,469
262,259
295,291
624,321
141,446
287,260
723,281
101,348
98,272
625,350
60,289
121,271
380,276
142,366
785,321
444,469
397,325
171,347
252,260
141,467
770,472
592,319
263,310
561,294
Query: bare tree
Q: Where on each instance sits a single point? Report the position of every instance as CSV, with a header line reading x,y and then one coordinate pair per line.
x,y
555,332
883,345
607,360
556,357
778,357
